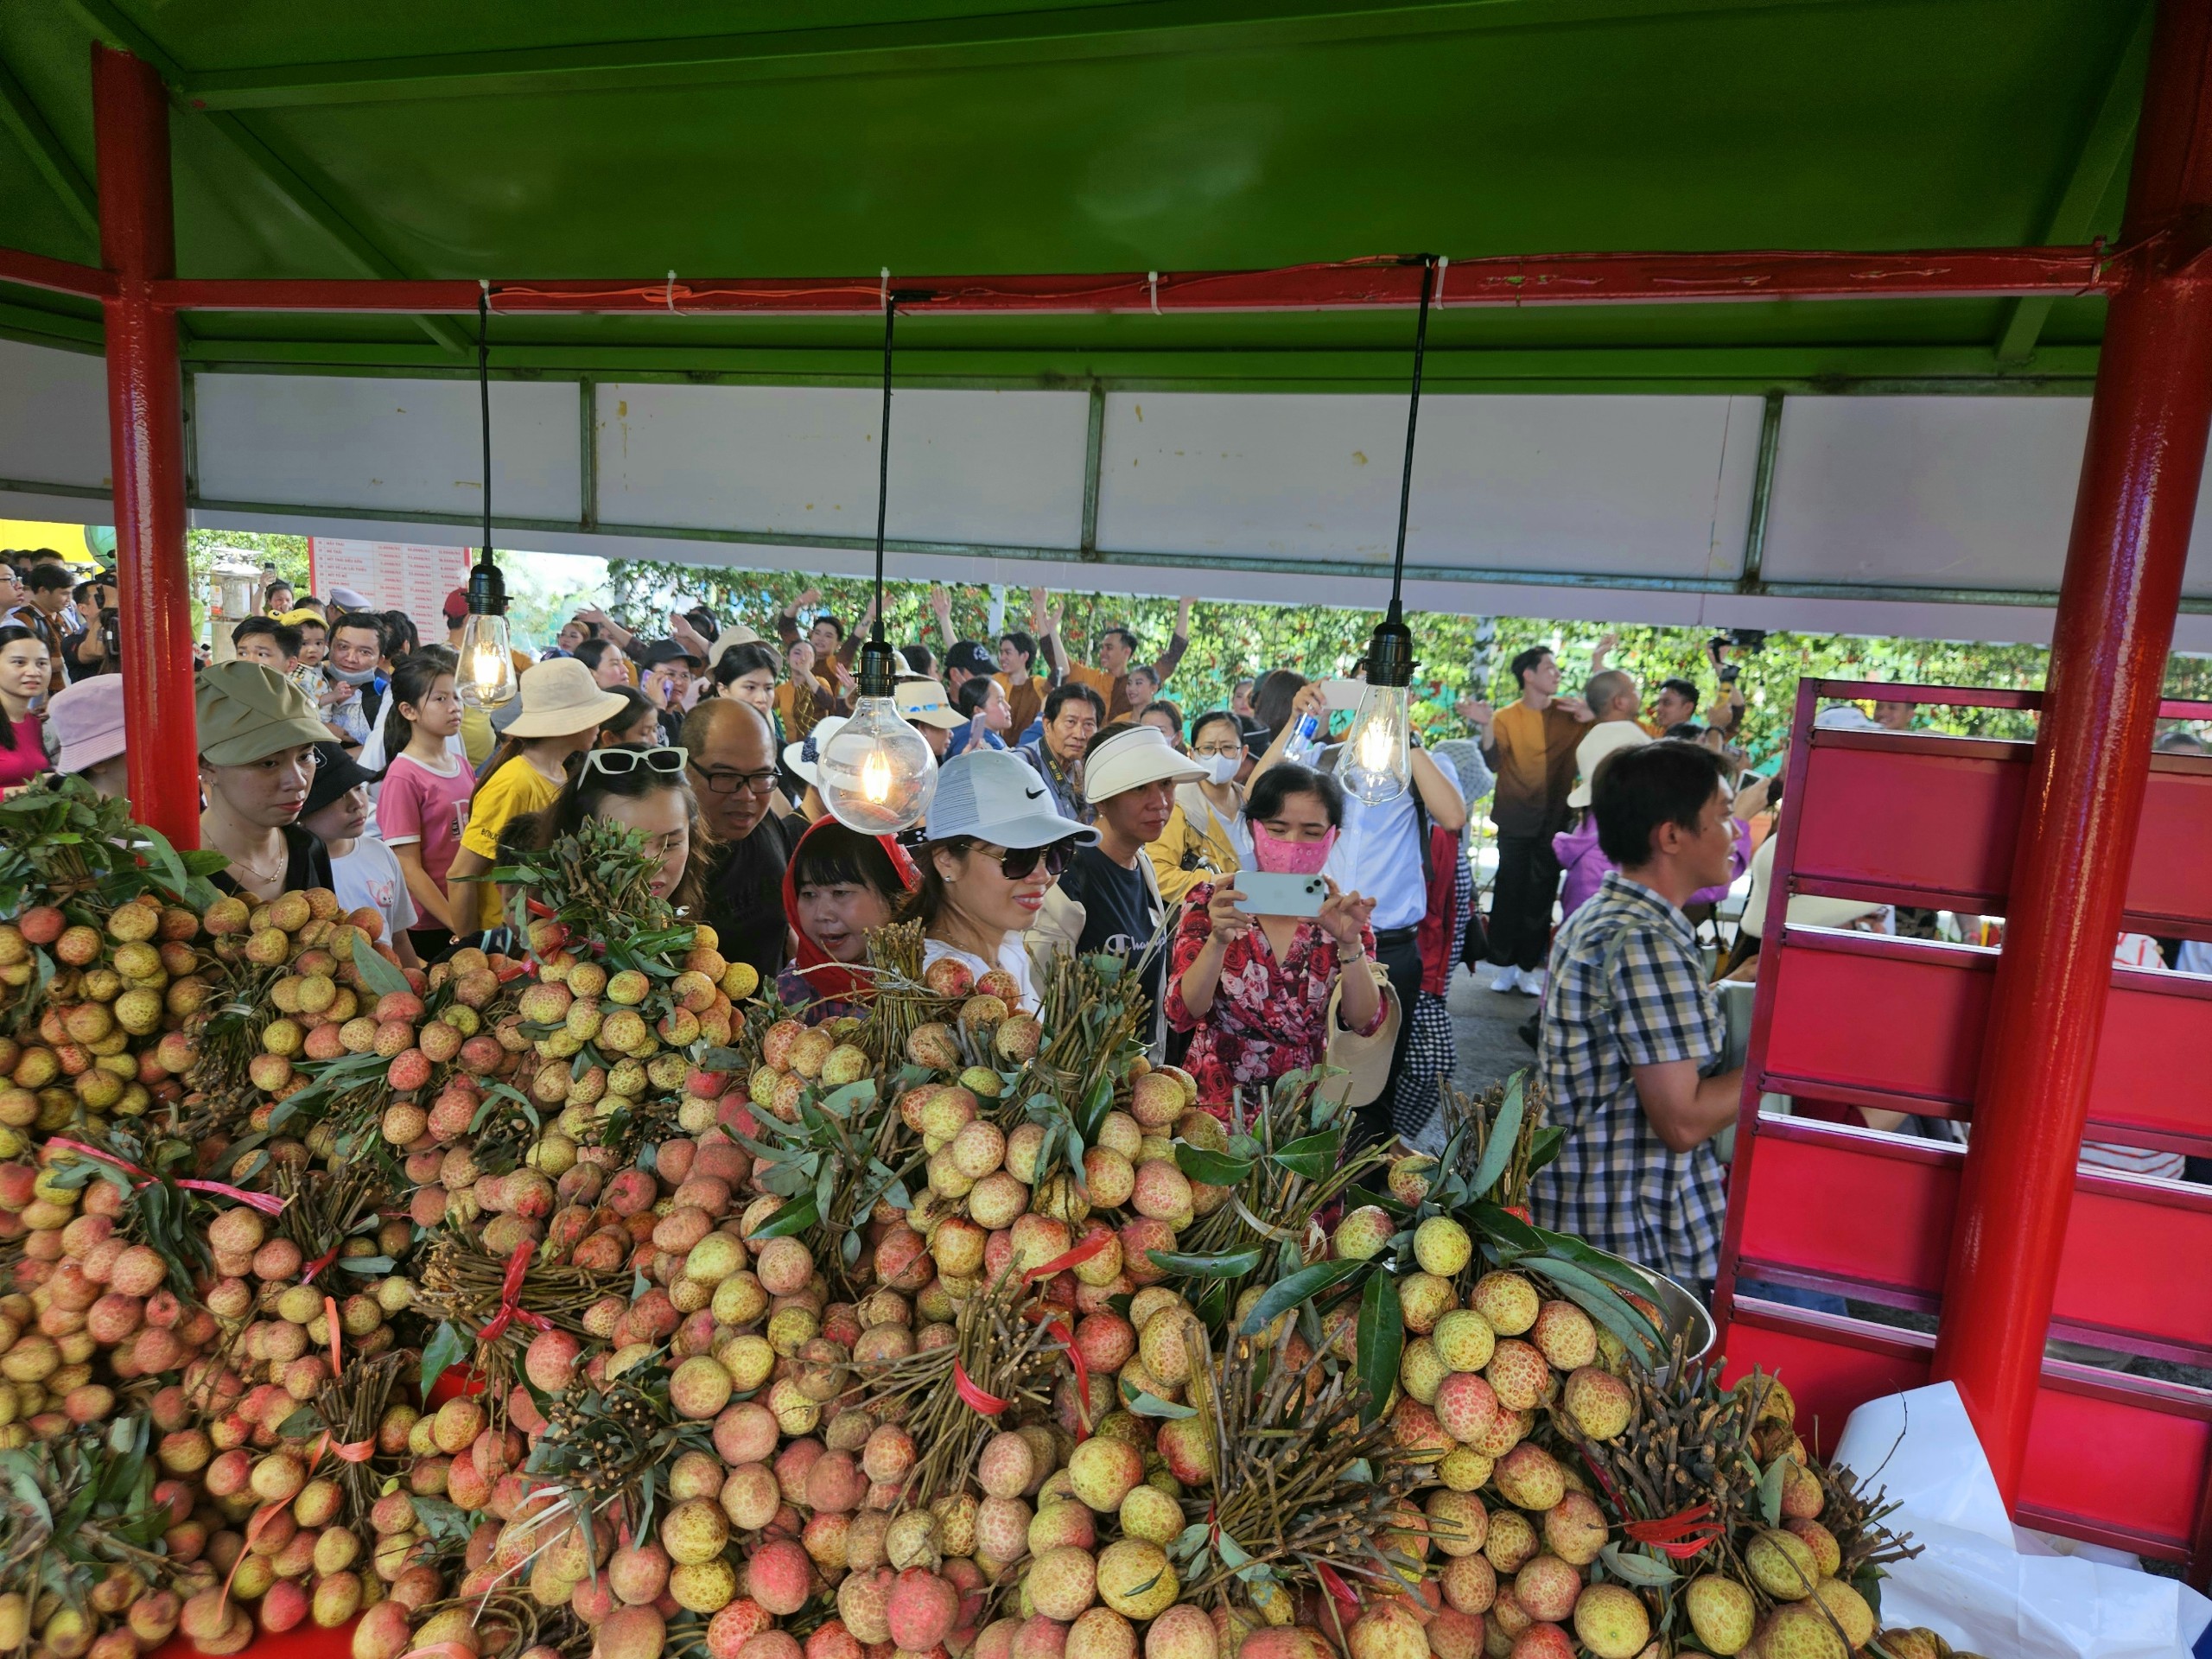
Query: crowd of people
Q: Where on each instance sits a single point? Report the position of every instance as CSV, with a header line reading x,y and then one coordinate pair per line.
x,y
1078,809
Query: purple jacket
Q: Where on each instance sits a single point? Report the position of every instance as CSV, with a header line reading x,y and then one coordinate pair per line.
x,y
1586,866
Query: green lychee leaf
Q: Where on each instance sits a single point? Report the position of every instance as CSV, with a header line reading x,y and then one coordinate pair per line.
x,y
1379,1343
1288,1293
1151,1405
794,1217
1645,1572
1214,1168
446,1348
1770,1485
1230,1264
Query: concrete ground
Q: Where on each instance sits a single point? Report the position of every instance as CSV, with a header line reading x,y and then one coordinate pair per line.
x,y
1485,1023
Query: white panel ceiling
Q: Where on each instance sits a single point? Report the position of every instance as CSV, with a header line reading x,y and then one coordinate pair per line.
x,y
1930,491
392,446
998,466
1649,486
1555,493
53,417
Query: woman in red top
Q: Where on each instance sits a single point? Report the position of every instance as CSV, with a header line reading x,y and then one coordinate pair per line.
x,y
1254,990
24,666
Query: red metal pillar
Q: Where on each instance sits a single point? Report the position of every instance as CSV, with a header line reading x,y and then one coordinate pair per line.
x,y
145,418
2148,426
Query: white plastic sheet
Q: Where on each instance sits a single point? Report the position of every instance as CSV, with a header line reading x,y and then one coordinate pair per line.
x,y
1985,1585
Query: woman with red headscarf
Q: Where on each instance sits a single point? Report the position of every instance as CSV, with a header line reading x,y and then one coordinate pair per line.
x,y
839,887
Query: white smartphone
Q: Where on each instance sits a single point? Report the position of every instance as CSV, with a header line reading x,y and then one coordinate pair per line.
x,y
1260,893
1343,695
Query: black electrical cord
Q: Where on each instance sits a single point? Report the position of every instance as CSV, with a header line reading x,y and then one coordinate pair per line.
x,y
484,405
1413,423
883,462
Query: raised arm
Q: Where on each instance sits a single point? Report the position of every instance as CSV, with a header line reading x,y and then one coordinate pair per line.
x,y
1176,645
941,607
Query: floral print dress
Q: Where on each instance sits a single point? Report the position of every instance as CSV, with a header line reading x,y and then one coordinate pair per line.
x,y
1269,1015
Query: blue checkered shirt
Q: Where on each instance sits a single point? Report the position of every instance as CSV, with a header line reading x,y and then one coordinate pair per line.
x,y
1614,1183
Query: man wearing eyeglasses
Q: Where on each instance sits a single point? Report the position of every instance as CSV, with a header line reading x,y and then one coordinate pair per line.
x,y
733,769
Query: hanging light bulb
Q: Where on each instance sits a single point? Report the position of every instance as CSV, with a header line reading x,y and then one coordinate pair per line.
x,y
1376,761
877,775
488,664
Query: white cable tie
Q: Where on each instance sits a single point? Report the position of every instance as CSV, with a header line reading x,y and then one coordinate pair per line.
x,y
886,287
669,298
1152,280
1443,264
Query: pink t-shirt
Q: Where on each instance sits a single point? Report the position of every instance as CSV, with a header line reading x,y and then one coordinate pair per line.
x,y
420,804
23,763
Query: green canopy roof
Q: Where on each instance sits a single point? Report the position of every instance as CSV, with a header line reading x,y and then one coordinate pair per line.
x,y
737,138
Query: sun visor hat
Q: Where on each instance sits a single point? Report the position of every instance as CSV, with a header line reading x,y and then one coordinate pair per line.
x,y
1131,758
994,795
922,702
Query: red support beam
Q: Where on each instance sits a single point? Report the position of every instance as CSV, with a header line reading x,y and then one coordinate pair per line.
x,y
130,125
2148,426
1383,283
56,276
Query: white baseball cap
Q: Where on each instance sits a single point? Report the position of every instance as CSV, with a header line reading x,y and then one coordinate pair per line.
x,y
801,756
922,702
1132,758
1600,741
994,795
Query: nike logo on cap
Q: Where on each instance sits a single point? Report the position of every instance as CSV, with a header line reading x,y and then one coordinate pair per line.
x,y
1034,794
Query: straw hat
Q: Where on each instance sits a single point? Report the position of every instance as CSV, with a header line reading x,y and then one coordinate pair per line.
x,y
560,698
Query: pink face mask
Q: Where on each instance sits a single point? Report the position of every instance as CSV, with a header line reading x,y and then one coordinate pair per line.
x,y
1276,856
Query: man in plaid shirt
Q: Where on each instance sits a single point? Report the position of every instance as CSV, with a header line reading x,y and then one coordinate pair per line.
x,y
1630,1028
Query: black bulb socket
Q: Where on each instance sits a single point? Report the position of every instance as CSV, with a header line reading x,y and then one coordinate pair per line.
x,y
487,589
879,669
1390,654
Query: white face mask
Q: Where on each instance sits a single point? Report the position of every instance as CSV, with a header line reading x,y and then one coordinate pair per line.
x,y
1220,768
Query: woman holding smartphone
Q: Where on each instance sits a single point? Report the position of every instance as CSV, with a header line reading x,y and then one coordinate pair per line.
x,y
1254,990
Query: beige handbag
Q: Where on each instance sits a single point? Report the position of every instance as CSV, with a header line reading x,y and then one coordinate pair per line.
x,y
1363,1062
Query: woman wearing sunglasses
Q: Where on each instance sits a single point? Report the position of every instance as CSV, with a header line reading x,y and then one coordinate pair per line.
x,y
644,790
997,844
840,886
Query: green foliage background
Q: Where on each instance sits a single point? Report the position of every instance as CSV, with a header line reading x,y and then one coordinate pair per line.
x,y
1457,653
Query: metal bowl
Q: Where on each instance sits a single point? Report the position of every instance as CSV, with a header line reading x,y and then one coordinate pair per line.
x,y
1681,1314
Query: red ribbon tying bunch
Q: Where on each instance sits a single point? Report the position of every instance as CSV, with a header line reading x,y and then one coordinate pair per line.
x,y
1059,1328
267,1202
1680,1536
319,1264
989,1404
1339,1592
510,1308
1074,1258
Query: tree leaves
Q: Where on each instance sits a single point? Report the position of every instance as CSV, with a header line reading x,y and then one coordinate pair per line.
x,y
1379,1341
1286,1294
1233,1264
445,1348
378,977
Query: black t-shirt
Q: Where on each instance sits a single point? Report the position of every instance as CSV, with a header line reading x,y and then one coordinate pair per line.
x,y
1118,912
306,865
745,895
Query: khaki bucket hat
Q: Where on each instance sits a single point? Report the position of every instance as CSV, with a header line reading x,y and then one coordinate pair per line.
x,y
560,698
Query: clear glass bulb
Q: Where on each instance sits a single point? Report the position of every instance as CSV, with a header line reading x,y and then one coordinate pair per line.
x,y
877,774
1375,763
488,664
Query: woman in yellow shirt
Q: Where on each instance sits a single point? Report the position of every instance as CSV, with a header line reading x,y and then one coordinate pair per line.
x,y
1207,837
561,708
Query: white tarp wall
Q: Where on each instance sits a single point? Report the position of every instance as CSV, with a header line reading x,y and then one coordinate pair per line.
x,y
1941,517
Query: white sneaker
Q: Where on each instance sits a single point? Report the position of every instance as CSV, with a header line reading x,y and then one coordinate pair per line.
x,y
1508,978
1532,981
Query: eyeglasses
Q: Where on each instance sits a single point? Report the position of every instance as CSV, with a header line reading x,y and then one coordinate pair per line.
x,y
620,762
729,782
1019,863
1217,749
